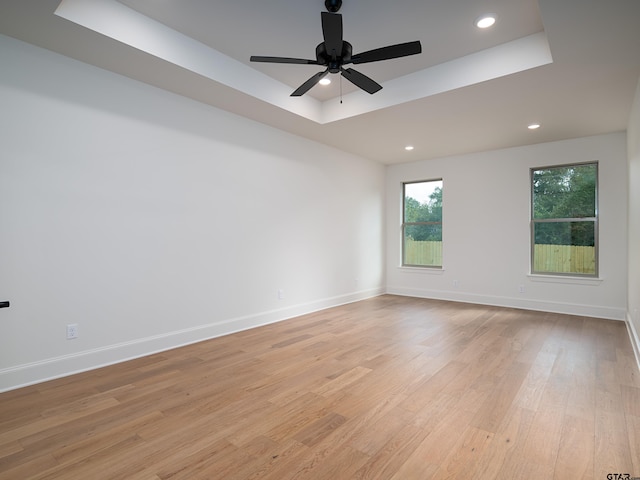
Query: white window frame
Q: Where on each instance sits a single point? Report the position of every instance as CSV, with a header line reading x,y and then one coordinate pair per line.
x,y
534,222
406,224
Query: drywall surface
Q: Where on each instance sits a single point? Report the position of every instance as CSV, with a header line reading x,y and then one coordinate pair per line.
x,y
633,147
486,236
151,221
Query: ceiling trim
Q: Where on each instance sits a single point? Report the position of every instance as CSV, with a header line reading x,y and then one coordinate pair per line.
x,y
112,19
119,22
506,59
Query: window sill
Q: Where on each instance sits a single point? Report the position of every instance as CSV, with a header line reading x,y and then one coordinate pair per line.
x,y
567,280
427,270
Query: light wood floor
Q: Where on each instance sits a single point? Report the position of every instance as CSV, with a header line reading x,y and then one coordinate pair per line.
x,y
387,388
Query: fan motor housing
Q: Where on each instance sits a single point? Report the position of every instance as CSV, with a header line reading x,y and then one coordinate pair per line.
x,y
334,65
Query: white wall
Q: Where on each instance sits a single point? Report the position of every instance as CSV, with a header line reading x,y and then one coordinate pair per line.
x,y
633,148
486,229
151,220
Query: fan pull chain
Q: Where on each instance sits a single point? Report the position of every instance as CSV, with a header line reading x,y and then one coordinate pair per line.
x,y
340,89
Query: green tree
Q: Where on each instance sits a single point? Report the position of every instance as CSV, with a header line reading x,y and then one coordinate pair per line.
x,y
429,215
565,193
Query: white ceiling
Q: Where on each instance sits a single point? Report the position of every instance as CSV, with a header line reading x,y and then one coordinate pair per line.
x,y
571,65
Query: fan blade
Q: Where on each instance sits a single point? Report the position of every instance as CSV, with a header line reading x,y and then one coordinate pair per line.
x,y
361,80
306,86
332,31
387,53
300,61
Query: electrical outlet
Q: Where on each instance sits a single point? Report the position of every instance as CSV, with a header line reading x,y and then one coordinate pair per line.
x,y
280,294
521,288
72,331
455,284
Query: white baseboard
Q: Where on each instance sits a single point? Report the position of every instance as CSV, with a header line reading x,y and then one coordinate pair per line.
x,y
48,369
635,340
513,302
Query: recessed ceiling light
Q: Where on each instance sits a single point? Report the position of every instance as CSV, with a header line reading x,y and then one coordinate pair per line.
x,y
485,21
533,126
325,81
408,148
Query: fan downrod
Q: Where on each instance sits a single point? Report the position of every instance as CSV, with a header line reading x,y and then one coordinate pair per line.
x,y
333,5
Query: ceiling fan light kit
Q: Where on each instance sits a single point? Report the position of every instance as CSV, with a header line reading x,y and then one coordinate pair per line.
x,y
334,52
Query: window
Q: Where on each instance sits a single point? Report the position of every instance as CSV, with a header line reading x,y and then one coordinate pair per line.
x,y
564,220
422,224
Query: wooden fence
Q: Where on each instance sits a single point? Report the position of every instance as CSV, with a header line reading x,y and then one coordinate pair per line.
x,y
564,259
422,253
547,258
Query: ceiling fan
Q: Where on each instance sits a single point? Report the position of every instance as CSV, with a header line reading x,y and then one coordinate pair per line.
x,y
335,52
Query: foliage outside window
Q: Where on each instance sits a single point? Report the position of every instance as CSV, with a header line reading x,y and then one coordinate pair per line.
x,y
564,220
422,224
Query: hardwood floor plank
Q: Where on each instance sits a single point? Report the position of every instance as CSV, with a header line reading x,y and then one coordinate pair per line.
x,y
73,450
543,440
533,385
626,366
392,455
581,401
466,455
440,441
317,431
327,464
506,447
612,449
433,385
633,429
101,464
375,433
342,381
631,400
10,448
577,446
497,403
36,463
272,462
415,469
